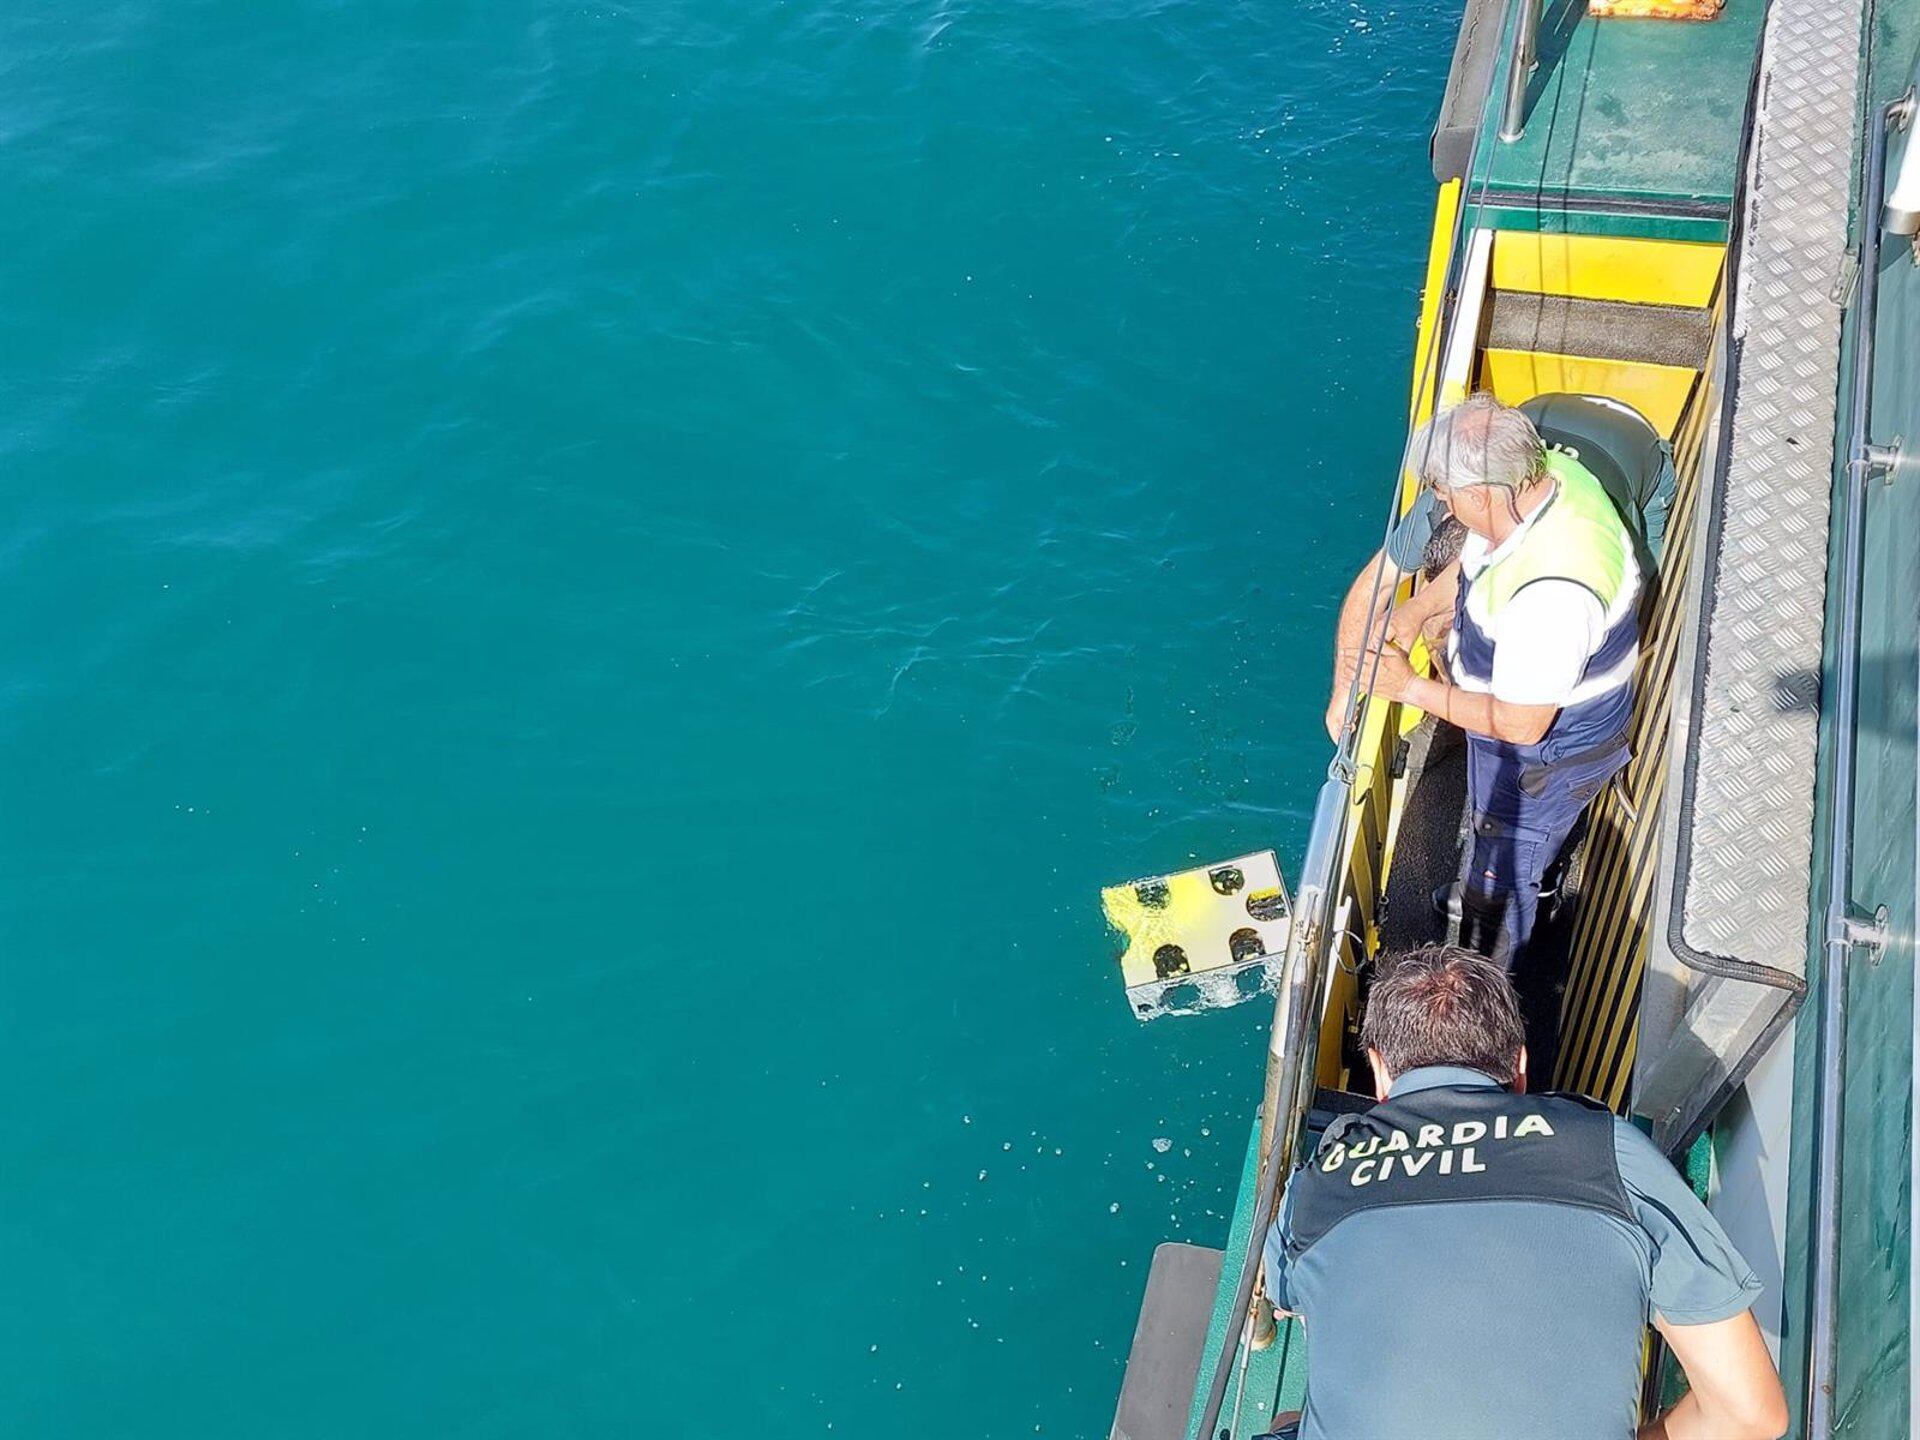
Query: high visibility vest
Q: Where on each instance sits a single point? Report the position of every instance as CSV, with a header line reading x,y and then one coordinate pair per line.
x,y
1576,535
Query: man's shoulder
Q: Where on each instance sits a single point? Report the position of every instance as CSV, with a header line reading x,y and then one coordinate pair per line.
x,y
1644,1170
1557,593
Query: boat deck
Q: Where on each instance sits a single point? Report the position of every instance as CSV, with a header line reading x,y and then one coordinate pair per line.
x,y
1633,126
1594,256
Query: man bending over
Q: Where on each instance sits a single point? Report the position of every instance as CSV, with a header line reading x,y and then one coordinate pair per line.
x,y
1476,1263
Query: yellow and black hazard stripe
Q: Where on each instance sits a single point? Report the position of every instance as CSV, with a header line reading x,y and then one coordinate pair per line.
x,y
1609,950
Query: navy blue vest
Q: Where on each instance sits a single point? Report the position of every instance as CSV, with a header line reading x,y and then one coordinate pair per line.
x,y
1579,728
1451,1145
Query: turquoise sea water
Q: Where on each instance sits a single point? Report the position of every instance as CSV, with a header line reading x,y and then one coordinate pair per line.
x,y
591,591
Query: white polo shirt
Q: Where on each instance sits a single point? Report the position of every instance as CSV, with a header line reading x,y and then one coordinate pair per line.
x,y
1545,634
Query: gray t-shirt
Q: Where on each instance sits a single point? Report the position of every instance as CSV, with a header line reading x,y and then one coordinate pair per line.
x,y
1500,1319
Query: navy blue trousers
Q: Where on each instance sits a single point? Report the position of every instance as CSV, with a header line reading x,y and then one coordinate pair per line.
x,y
1523,810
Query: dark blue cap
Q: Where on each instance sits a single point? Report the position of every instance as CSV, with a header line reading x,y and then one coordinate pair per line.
x,y
1407,541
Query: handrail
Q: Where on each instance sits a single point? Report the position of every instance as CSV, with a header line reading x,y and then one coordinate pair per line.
x,y
1295,1015
1844,930
1522,58
1292,1059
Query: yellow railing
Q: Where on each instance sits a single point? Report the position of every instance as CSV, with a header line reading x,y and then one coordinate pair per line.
x,y
1374,804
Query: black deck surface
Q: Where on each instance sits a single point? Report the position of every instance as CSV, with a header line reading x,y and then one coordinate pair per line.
x,y
1427,858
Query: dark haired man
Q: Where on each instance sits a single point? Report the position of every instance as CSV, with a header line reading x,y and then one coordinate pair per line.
x,y
1475,1263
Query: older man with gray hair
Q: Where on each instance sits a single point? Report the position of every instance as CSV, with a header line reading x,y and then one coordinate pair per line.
x,y
1545,602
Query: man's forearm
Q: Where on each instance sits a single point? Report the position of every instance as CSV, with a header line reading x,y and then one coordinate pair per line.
x,y
1433,598
1733,1390
1470,710
1372,588
1689,1420
1479,712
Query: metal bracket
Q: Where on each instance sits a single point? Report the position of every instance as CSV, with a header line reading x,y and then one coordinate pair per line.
x,y
1846,275
1882,460
1402,752
1862,932
1623,797
1887,459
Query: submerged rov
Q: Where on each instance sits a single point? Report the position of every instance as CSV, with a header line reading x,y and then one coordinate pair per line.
x,y
1680,233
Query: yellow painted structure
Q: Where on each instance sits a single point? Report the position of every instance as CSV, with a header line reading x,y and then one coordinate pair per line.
x,y
1603,267
1373,817
1609,945
1655,9
1658,392
1609,950
1432,294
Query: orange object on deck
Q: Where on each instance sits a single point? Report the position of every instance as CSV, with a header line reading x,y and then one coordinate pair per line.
x,y
1654,9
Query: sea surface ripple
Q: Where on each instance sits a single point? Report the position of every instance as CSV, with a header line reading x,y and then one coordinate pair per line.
x,y
592,592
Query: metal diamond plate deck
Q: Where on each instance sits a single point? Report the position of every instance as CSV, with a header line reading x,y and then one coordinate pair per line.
x,y
1749,833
